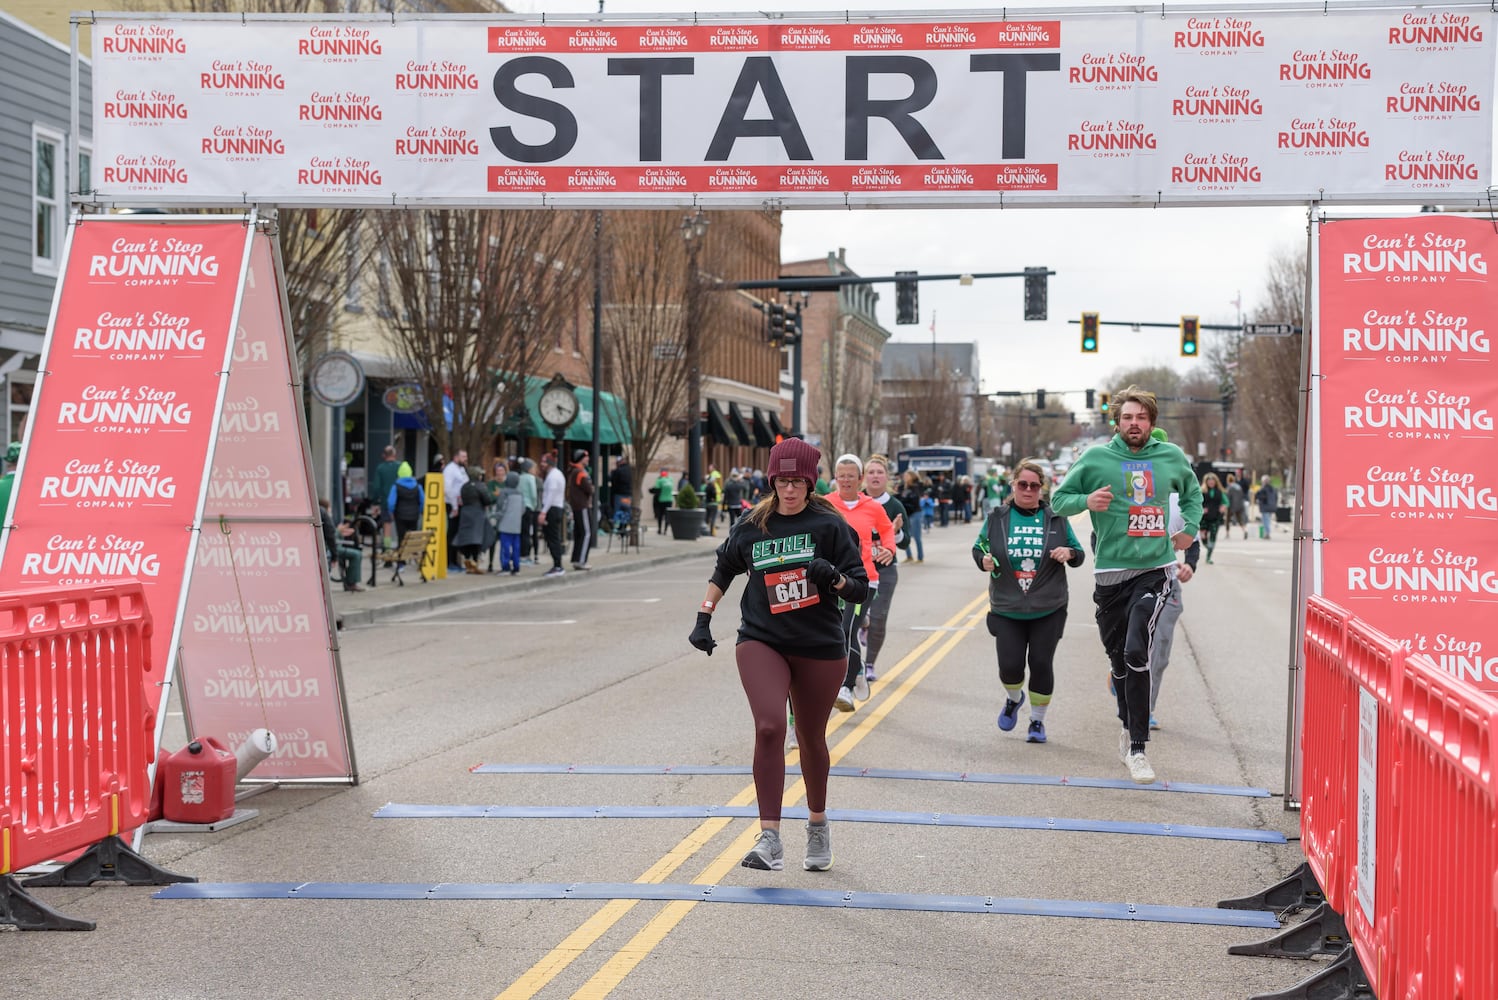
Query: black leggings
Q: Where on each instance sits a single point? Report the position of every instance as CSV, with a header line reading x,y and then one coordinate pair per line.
x,y
852,613
1209,534
1014,638
770,676
1126,616
877,610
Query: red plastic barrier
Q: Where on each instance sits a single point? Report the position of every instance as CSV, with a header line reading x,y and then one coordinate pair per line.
x,y
1439,926
1427,927
80,734
1328,750
1374,662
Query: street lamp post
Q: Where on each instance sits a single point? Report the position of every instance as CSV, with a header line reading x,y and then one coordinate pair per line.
x,y
693,229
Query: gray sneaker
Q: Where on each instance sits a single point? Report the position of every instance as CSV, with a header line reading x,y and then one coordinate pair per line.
x,y
818,848
766,854
1124,745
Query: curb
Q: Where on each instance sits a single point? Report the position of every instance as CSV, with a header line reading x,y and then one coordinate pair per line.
x,y
476,595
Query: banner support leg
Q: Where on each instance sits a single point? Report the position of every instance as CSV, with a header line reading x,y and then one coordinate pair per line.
x,y
109,860
27,913
1344,979
1297,891
1322,932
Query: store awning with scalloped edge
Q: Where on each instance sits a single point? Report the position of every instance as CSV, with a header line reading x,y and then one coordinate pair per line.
x,y
717,424
776,425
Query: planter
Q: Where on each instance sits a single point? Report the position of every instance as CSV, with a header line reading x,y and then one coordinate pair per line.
x,y
687,525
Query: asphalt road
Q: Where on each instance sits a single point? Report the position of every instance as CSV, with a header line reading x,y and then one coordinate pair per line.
x,y
596,671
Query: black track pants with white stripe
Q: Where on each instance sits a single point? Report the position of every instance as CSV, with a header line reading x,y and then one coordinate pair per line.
x,y
1127,616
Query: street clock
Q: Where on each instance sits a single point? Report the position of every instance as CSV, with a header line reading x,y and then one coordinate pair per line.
x,y
558,404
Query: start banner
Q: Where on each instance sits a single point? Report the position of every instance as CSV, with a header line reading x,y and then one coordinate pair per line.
x,y
1408,389
1337,103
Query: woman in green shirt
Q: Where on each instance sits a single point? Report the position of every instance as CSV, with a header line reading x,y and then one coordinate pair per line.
x,y
1024,548
663,494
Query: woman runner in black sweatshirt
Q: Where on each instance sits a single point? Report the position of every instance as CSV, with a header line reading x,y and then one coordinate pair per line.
x,y
802,562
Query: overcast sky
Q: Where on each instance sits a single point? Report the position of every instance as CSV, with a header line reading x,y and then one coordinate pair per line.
x,y
1150,265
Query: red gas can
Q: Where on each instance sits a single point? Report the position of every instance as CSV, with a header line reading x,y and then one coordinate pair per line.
x,y
197,783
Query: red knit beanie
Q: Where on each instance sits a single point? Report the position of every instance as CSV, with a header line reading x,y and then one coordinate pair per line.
x,y
791,458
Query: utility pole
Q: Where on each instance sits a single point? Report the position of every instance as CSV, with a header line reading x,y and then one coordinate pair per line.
x,y
693,229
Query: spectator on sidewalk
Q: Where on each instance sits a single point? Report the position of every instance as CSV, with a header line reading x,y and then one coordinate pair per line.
x,y
621,484
337,540
552,516
405,501
1268,500
473,524
511,521
663,494
580,499
454,476
530,492
385,475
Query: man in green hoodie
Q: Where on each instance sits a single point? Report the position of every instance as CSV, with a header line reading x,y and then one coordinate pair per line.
x,y
1125,487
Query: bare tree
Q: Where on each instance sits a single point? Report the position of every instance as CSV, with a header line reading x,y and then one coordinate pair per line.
x,y
471,300
929,403
1268,384
322,253
846,399
653,305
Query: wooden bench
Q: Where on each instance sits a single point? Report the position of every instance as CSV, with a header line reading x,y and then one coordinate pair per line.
x,y
411,549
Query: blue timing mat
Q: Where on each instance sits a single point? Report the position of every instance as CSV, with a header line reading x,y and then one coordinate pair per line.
x,y
395,810
831,898
878,772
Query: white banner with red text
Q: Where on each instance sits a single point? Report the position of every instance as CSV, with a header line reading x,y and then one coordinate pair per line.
x,y
1336,103
1406,390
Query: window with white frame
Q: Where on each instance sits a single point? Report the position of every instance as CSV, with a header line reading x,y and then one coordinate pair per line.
x,y
82,180
48,167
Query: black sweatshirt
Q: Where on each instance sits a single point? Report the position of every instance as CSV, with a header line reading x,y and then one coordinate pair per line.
x,y
780,607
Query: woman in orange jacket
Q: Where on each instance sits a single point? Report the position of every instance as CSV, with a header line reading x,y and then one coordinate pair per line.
x,y
876,546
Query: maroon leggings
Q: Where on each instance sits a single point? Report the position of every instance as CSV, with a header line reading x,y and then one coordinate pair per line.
x,y
769,676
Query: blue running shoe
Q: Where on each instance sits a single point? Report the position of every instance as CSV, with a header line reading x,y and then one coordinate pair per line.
x,y
1010,715
1036,733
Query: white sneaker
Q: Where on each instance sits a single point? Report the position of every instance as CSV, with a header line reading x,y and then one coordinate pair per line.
x,y
844,701
861,687
1139,769
1123,745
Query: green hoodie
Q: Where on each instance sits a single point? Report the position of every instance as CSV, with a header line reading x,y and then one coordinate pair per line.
x,y
1141,480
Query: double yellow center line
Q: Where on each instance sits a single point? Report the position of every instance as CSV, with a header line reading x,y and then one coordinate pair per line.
x,y
632,953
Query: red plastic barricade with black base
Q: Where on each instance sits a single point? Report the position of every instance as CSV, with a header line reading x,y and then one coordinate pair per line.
x,y
1435,926
75,666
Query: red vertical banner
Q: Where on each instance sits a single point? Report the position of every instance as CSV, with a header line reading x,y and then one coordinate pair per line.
x,y
114,459
258,647
1408,501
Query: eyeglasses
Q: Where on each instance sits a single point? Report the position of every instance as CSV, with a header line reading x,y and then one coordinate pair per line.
x,y
1027,486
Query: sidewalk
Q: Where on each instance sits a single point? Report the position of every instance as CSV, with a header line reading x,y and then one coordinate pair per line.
x,y
387,600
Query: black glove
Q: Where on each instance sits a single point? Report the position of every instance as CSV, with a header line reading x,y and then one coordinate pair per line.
x,y
702,633
822,574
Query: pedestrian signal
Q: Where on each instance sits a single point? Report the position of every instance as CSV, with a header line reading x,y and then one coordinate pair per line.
x,y
1089,334
1190,327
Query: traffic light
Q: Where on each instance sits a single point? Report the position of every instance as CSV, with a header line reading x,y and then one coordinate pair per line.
x,y
1089,335
793,327
1035,292
1091,398
777,323
907,298
1040,399
1190,327
1103,399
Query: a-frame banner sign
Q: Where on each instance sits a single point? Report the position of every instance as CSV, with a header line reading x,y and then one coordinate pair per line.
x,y
167,443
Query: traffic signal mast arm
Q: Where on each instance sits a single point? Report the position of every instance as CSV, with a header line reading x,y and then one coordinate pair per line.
x,y
830,283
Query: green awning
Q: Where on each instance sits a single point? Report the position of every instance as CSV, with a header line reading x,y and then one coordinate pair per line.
x,y
613,425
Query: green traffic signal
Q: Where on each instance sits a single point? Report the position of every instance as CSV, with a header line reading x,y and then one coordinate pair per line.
x,y
1089,332
1190,327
